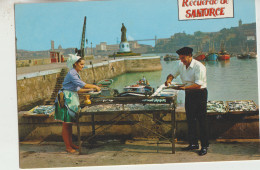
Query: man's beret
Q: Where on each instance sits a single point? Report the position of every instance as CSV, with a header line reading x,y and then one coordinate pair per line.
x,y
184,51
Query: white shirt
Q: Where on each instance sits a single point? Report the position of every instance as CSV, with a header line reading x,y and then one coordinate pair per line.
x,y
194,74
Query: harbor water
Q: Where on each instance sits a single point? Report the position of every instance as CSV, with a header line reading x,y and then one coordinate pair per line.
x,y
234,79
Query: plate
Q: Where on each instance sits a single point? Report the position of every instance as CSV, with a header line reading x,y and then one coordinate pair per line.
x,y
94,92
178,85
175,86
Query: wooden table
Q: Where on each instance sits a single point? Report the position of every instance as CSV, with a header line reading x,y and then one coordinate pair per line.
x,y
124,113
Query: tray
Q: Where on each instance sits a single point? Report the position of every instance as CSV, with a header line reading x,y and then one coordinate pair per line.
x,y
216,107
241,106
94,93
31,113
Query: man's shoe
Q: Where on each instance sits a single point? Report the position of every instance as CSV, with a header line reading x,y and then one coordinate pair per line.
x,y
203,151
191,147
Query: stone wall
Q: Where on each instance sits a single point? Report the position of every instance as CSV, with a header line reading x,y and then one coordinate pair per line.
x,y
134,65
227,127
35,90
105,70
32,62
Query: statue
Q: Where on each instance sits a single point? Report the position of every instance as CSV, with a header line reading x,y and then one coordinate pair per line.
x,y
123,36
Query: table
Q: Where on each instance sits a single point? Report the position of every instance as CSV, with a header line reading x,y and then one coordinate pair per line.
x,y
125,111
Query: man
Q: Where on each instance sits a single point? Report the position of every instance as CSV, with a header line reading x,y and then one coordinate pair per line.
x,y
193,74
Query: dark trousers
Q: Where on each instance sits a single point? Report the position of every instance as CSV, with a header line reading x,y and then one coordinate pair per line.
x,y
196,109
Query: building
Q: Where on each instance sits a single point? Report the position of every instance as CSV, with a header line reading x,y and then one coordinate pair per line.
x,y
101,47
163,41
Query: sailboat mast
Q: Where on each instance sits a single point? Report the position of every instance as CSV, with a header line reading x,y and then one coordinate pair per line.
x,y
82,45
213,48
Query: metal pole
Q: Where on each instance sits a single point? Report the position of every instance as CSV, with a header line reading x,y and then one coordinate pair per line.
x,y
78,129
93,123
173,126
155,38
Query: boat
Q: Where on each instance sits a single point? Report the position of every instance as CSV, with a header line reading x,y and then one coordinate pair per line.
x,y
105,82
243,56
200,56
168,57
252,55
223,55
212,56
141,88
246,54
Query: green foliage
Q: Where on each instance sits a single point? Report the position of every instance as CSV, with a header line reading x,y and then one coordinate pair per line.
x,y
121,54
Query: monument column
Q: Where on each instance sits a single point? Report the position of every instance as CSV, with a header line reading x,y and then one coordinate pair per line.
x,y
124,45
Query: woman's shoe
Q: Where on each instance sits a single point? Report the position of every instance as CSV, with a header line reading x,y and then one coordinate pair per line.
x,y
71,150
74,146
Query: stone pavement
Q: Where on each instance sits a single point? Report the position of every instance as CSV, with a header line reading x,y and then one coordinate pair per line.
x,y
131,152
33,69
52,66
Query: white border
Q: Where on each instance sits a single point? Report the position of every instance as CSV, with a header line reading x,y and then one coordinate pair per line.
x,y
9,158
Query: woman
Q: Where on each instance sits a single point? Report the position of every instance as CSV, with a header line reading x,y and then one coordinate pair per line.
x,y
67,103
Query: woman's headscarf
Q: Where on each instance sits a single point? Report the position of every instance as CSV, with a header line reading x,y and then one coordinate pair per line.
x,y
72,60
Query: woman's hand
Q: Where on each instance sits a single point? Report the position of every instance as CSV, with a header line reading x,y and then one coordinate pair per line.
x,y
97,88
85,90
92,86
169,80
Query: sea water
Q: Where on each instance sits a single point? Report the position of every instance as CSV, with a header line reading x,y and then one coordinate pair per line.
x,y
234,79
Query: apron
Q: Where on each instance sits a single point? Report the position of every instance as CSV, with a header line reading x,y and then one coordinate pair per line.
x,y
67,113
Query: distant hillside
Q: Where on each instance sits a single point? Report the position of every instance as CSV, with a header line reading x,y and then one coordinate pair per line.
x,y
27,55
236,40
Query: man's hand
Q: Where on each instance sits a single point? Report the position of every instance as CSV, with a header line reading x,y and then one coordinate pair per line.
x,y
182,88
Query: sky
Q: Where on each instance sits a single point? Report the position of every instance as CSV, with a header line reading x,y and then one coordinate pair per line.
x,y
36,24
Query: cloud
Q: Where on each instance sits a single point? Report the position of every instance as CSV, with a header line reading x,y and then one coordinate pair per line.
x,y
130,38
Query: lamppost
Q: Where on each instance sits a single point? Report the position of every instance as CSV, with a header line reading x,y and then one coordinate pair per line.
x,y
91,49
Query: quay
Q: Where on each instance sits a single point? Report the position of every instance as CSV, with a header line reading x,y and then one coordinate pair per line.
x,y
229,133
